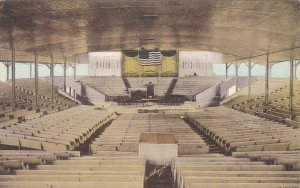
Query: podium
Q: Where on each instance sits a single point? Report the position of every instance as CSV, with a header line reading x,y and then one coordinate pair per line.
x,y
150,89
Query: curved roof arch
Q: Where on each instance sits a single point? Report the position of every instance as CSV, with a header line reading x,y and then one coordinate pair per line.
x,y
238,28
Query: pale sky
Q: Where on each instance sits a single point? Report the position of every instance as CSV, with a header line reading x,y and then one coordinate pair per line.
x,y
280,70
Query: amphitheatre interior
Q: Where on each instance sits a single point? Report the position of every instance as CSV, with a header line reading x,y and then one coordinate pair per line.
x,y
151,112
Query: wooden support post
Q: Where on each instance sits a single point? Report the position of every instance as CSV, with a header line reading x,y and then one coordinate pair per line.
x,y
7,72
267,81
52,76
30,71
65,74
237,65
226,70
13,75
291,84
75,69
36,81
249,78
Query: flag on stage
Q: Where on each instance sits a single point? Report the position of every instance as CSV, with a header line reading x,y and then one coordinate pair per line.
x,y
150,58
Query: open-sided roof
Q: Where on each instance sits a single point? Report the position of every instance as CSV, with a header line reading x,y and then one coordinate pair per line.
x,y
238,28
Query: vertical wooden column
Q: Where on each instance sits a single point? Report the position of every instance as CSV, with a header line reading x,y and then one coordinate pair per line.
x,y
13,75
237,65
75,67
65,74
52,77
226,70
36,82
30,71
13,69
291,84
7,72
249,78
267,81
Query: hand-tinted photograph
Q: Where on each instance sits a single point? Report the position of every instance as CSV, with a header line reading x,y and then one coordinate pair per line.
x,y
149,94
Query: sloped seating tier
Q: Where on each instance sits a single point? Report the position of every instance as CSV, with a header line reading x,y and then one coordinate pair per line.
x,y
237,131
82,172
113,86
61,131
216,170
161,84
290,159
25,106
44,91
258,86
193,85
108,85
278,108
124,133
11,160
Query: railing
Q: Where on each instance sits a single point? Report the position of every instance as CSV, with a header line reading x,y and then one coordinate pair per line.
x,y
126,83
136,104
171,87
62,92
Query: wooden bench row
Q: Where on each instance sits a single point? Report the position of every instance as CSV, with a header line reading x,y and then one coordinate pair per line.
x,y
236,131
220,171
11,160
82,172
290,159
123,134
62,131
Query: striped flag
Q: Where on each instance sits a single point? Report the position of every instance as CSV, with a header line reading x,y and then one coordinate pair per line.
x,y
150,58
155,57
145,61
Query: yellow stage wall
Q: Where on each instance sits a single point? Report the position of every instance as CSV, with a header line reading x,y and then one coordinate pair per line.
x,y
167,68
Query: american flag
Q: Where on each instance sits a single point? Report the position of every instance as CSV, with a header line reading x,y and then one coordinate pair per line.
x,y
150,58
